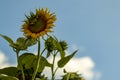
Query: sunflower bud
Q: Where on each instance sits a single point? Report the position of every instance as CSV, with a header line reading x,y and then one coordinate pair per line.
x,y
64,45
49,44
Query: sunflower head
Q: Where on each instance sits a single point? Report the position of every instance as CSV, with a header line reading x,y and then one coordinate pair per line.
x,y
39,23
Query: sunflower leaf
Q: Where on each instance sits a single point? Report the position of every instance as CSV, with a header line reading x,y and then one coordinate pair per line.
x,y
63,61
8,39
27,59
2,77
9,71
43,62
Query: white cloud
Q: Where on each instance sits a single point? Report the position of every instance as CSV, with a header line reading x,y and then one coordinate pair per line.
x,y
84,66
4,61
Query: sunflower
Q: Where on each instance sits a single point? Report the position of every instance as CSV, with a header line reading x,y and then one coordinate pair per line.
x,y
38,24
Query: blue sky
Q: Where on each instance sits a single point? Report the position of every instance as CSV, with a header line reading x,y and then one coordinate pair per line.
x,y
92,25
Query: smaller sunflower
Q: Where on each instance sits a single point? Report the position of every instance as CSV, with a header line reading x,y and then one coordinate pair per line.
x,y
38,24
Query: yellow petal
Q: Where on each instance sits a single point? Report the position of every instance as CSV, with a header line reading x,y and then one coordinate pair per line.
x,y
33,35
50,25
50,21
27,31
46,10
43,33
48,30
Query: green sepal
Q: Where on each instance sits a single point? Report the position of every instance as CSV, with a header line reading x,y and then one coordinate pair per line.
x,y
64,45
9,71
59,47
63,61
72,76
30,42
52,44
23,43
20,44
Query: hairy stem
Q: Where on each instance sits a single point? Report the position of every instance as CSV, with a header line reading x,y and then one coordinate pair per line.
x,y
38,60
52,68
21,68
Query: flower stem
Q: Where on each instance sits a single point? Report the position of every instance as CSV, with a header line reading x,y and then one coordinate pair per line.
x,y
38,60
21,68
52,68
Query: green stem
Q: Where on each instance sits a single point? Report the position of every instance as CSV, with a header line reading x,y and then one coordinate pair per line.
x,y
56,70
38,60
21,68
52,68
68,76
43,51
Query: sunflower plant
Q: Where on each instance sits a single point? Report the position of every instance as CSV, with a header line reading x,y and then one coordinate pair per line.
x,y
29,65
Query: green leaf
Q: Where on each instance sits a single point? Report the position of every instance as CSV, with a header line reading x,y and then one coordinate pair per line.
x,y
8,39
43,62
27,59
63,61
62,53
10,71
7,78
40,79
